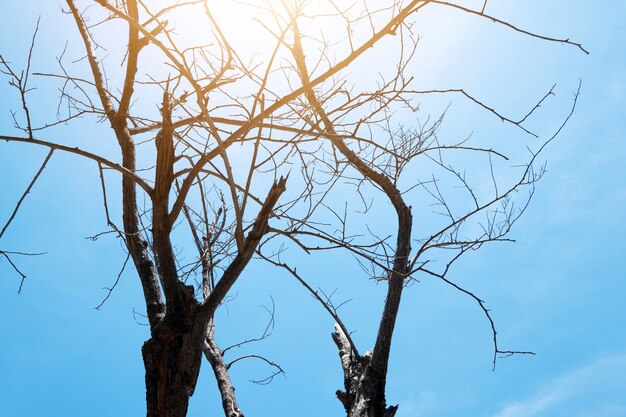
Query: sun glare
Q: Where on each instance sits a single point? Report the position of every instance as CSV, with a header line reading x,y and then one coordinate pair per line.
x,y
248,25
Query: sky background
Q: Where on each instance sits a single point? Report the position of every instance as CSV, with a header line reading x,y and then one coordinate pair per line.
x,y
558,291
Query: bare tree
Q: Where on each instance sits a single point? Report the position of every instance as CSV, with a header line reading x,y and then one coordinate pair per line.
x,y
208,141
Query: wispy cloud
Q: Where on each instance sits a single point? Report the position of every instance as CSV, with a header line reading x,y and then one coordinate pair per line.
x,y
597,389
420,404
531,407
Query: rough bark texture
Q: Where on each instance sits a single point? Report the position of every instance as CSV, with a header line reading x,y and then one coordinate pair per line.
x,y
172,358
363,396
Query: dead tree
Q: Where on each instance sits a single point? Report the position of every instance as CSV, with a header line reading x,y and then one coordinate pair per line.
x,y
364,145
203,109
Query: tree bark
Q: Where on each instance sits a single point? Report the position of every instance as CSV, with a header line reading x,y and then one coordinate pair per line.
x,y
363,396
172,358
220,369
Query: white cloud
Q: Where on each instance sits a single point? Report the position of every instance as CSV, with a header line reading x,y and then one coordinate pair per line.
x,y
597,389
531,407
416,405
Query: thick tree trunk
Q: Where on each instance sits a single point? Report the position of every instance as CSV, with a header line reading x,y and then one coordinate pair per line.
x,y
172,358
172,362
369,399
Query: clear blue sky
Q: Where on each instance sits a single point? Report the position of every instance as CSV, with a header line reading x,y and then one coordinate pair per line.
x,y
558,291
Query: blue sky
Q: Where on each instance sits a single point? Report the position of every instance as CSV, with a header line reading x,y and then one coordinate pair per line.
x,y
558,291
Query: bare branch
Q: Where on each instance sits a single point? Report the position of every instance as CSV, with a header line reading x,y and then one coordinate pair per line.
x,y
27,191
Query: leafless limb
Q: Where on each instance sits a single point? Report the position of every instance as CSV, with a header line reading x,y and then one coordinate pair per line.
x,y
111,288
26,192
509,25
264,381
20,82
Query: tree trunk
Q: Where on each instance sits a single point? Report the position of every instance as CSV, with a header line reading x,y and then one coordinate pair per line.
x,y
369,398
364,394
172,358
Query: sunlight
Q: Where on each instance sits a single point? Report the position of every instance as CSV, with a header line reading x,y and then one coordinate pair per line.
x,y
246,25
